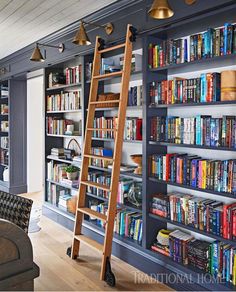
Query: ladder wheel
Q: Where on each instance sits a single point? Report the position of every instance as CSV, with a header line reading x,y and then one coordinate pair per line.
x,y
110,279
68,252
109,276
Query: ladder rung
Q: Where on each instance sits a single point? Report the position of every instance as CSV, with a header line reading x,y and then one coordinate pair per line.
x,y
99,157
88,241
96,185
93,213
102,129
112,48
104,101
108,75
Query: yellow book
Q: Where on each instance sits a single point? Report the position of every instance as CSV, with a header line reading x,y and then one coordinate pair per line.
x,y
203,174
234,270
156,56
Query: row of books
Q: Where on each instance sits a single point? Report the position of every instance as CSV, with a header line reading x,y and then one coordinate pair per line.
x,y
56,172
194,171
101,151
202,130
132,131
101,178
204,214
73,74
64,101
57,126
5,142
216,258
211,43
135,96
4,155
206,88
127,223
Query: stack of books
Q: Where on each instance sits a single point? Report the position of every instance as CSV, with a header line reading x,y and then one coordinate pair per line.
x,y
202,130
58,153
5,126
70,183
64,101
4,156
135,96
73,74
194,171
4,142
4,91
206,88
211,43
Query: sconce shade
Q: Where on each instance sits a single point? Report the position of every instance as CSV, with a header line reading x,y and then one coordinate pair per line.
x,y
160,9
36,55
81,37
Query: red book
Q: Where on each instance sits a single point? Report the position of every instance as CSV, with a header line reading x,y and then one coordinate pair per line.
x,y
139,126
168,157
226,219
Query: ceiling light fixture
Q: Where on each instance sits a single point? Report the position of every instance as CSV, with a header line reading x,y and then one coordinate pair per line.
x,y
37,55
161,9
81,38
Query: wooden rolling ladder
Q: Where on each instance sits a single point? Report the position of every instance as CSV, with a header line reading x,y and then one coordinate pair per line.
x,y
109,218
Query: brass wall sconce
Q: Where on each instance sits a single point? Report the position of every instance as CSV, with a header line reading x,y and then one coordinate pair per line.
x,y
161,9
37,55
81,38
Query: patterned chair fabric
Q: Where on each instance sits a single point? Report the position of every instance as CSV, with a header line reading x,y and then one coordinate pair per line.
x,y
15,209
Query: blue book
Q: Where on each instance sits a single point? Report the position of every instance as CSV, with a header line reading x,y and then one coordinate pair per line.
x,y
198,130
225,34
203,87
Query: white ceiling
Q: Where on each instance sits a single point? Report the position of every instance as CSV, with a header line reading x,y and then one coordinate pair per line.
x,y
23,22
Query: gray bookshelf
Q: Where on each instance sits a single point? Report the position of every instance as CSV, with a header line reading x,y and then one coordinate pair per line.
x,y
13,155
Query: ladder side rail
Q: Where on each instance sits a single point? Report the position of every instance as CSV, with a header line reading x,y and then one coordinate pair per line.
x,y
86,149
117,152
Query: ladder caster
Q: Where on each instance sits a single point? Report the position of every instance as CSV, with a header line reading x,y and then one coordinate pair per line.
x,y
68,252
109,276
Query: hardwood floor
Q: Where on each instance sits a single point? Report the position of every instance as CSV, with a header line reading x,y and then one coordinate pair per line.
x,y
59,273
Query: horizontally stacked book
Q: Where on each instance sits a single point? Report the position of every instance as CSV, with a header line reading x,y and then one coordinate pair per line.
x,y
202,130
195,171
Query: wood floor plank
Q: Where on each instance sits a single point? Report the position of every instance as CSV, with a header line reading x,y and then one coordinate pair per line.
x,y
58,272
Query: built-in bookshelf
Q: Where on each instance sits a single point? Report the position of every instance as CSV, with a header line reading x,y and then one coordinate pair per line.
x,y
173,111
151,184
13,136
64,129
